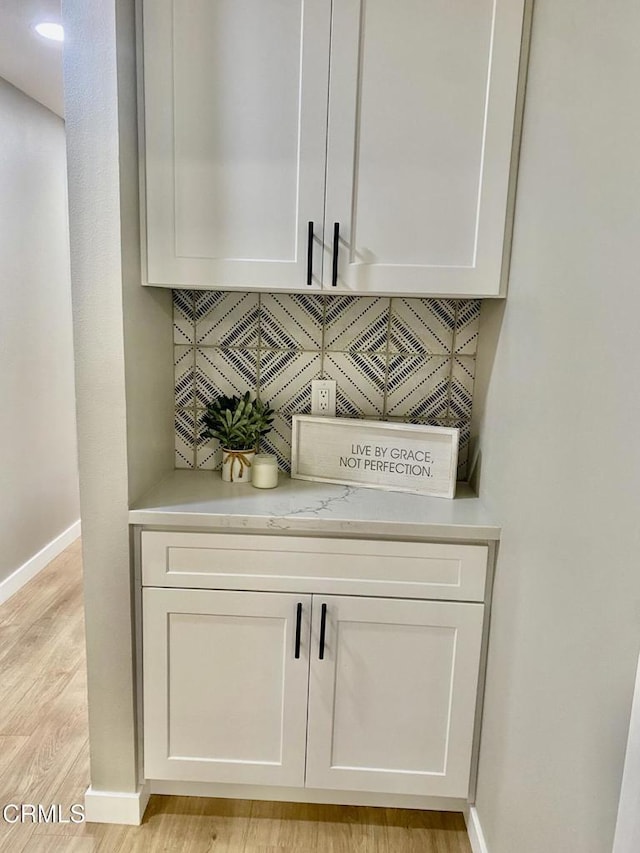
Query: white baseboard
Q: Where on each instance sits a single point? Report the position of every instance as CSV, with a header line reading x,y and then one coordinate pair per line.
x,y
9,586
474,831
116,806
230,790
627,835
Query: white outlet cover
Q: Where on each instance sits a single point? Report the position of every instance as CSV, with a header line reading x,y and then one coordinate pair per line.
x,y
320,387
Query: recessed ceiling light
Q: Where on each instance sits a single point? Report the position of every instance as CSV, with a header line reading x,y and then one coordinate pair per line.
x,y
49,30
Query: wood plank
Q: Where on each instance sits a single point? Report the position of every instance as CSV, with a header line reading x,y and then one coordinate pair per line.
x,y
219,825
14,836
45,759
69,792
23,715
55,639
283,825
58,844
415,831
9,747
352,828
51,583
187,824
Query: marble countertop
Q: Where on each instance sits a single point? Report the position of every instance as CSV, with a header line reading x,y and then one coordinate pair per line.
x,y
199,499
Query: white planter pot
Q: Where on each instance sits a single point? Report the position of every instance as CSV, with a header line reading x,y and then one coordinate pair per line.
x,y
236,465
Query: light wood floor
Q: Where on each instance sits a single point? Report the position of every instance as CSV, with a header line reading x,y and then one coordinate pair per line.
x,y
44,759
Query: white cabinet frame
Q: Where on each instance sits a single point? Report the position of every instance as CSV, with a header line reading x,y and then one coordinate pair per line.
x,y
326,780
333,40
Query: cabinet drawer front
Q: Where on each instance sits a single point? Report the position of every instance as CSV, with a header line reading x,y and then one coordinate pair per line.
x,y
308,564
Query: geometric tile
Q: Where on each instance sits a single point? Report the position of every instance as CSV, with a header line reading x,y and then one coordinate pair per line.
x,y
224,372
183,317
467,325
285,379
356,324
226,319
418,386
463,449
184,375
422,326
404,359
416,419
360,379
184,438
208,450
278,441
461,398
291,321
209,456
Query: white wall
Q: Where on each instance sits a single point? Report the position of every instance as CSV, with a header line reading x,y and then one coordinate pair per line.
x,y
38,467
560,450
124,367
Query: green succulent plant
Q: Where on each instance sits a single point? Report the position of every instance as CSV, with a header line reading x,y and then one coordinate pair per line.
x,y
237,422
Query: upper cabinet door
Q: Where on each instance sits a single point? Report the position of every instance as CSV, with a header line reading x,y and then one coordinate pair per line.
x,y
235,111
421,119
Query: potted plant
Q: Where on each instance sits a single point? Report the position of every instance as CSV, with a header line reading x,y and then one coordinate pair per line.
x,y
237,423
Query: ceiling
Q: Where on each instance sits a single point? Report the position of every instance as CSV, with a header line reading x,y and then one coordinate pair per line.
x,y
28,61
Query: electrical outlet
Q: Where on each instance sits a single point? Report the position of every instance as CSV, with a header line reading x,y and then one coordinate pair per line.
x,y
323,398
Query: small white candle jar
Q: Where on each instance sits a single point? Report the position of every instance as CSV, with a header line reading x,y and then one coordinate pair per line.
x,y
264,470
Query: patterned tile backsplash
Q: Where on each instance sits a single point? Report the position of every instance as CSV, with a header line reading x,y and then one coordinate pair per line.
x,y
392,358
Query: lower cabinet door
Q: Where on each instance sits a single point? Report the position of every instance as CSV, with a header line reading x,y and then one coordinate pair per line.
x,y
392,702
225,696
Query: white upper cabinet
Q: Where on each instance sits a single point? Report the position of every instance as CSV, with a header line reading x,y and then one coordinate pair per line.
x,y
421,118
388,126
235,103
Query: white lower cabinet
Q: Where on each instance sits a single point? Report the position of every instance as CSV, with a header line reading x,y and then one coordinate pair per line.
x,y
340,692
225,697
392,702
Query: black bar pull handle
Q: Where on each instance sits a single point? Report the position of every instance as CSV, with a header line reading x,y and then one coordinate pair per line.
x,y
298,627
336,241
310,254
323,627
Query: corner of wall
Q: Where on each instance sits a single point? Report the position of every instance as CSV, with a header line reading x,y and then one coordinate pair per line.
x,y
147,311
491,318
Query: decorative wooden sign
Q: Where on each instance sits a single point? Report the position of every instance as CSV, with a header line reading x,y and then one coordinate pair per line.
x,y
375,454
